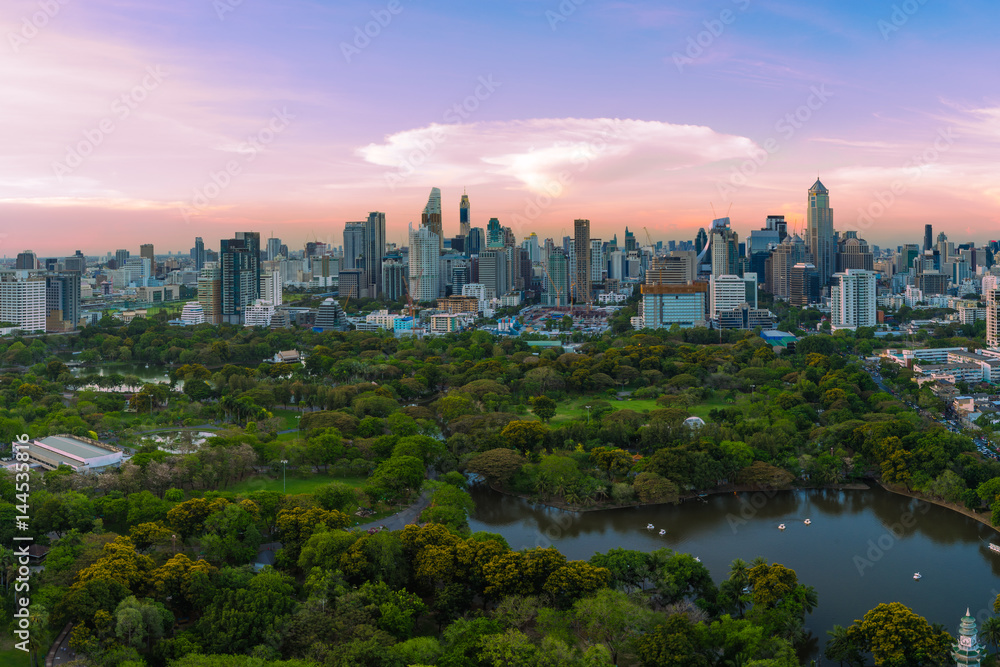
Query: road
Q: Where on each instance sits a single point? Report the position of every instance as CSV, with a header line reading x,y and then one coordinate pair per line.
x,y
400,519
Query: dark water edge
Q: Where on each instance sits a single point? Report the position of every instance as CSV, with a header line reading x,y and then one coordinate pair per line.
x,y
861,549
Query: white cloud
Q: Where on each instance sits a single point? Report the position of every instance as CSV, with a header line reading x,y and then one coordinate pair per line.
x,y
534,153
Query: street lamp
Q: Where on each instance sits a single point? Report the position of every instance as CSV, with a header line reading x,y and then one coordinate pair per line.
x,y
283,485
588,413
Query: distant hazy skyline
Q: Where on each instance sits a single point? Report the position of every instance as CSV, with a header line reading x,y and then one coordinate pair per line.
x,y
128,121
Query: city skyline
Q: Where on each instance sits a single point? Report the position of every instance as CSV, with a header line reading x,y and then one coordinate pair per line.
x,y
321,125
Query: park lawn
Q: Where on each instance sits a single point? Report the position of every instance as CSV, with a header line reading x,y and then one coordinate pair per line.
x,y
14,658
284,437
703,409
294,484
289,418
577,408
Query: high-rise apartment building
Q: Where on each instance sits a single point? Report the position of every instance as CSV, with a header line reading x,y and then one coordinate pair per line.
x,y
820,240
778,267
210,293
62,301
239,260
928,236
146,250
992,298
581,253
431,217
493,272
853,300
271,288
725,247
804,288
598,265
121,256
424,285
464,216
354,245
22,300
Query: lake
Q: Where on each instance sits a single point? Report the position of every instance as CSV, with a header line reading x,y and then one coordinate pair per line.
x,y
862,547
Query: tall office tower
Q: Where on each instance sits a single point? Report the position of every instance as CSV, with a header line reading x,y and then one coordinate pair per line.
x,y
374,247
199,253
146,250
493,272
494,234
431,217
527,277
271,288
555,280
464,216
763,241
680,267
459,277
475,242
240,264
547,249
853,300
121,256
530,243
904,260
22,300
804,286
354,245
598,265
928,235
992,297
820,240
62,301
425,267
26,260
725,245
630,242
273,248
853,253
581,252
729,292
700,241
394,280
778,268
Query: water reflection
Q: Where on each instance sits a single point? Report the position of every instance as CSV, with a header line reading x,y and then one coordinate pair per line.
x,y
861,548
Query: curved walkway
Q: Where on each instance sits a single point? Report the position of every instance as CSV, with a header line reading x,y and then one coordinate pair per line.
x,y
402,518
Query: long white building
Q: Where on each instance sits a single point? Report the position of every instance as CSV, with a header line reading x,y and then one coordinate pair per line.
x,y
729,292
853,300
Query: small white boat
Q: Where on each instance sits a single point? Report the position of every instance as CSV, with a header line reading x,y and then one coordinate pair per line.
x,y
781,526
916,576
697,559
994,548
807,521
649,526
662,532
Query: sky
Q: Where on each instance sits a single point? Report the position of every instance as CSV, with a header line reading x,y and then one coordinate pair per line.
x,y
129,121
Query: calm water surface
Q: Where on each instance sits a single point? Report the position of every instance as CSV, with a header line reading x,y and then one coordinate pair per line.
x,y
849,553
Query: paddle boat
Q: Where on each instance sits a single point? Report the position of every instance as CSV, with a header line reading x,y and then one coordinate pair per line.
x,y
807,521
916,576
781,526
662,532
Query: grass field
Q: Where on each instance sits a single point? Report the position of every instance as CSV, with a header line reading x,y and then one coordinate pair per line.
x,y
15,658
293,485
289,418
576,408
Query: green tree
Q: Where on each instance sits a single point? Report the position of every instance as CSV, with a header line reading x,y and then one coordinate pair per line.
x,y
544,407
897,637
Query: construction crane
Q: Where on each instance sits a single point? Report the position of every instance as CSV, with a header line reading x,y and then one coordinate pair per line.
x,y
649,239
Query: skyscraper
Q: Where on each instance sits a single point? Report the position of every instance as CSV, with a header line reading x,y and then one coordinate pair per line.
x,y
700,241
354,245
494,234
431,217
854,253
146,250
273,248
555,280
121,256
464,216
852,300
26,260
581,252
820,240
62,301
475,242
928,236
725,249
199,253
22,300
424,264
240,268
374,247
